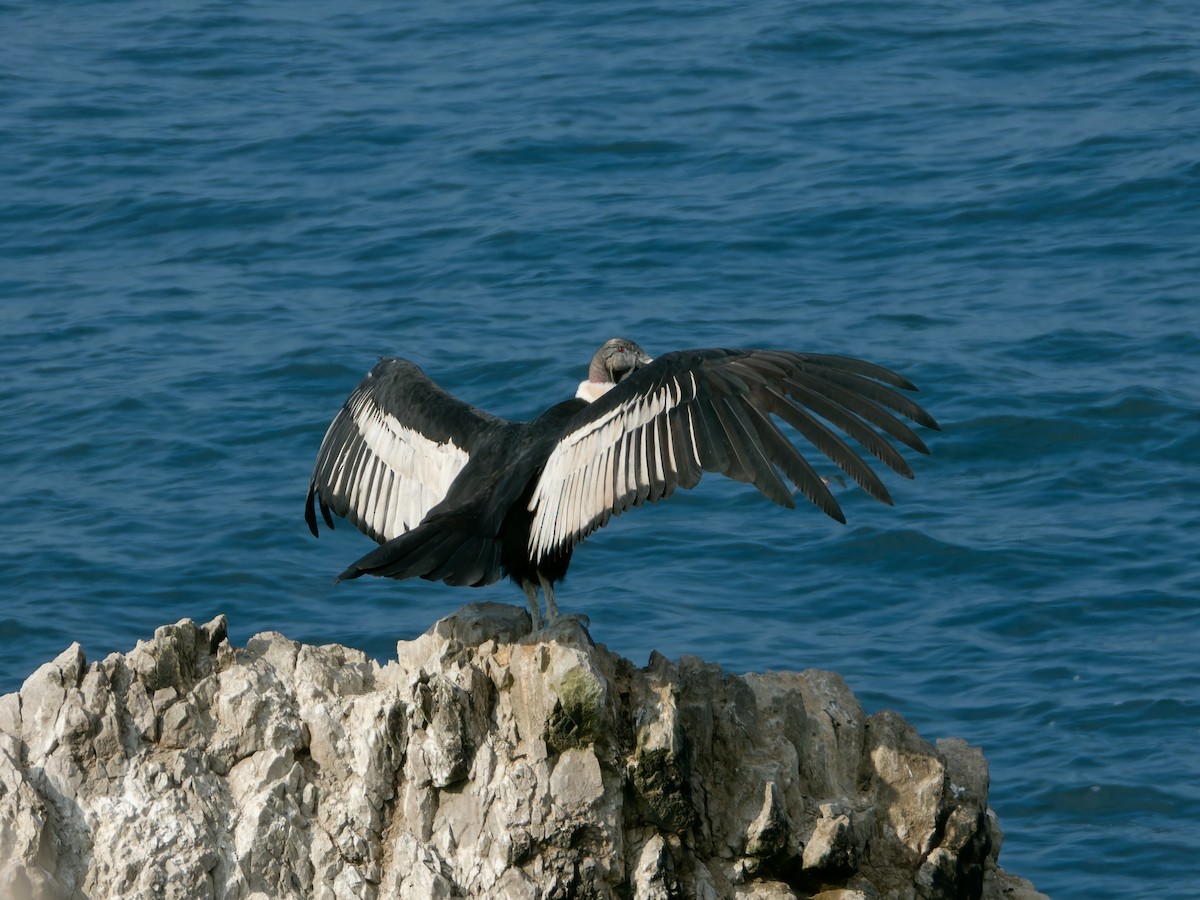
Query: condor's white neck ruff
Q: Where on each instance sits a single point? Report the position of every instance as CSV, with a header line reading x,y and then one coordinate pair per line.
x,y
591,391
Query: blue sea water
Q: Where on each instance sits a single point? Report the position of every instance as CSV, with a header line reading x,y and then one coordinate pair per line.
x,y
215,216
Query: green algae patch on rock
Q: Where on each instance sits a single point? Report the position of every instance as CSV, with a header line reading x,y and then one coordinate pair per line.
x,y
578,718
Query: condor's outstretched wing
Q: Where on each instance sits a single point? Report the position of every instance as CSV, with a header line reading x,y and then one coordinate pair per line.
x,y
710,410
392,451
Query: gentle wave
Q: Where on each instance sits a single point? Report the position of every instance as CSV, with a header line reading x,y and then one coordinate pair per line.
x,y
215,222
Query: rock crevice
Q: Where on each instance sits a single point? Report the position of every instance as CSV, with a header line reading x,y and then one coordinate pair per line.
x,y
484,761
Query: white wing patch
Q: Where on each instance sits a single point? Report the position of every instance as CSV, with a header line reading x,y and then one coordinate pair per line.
x,y
396,475
593,469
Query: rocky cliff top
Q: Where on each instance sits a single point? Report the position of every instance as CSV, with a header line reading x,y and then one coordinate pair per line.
x,y
484,761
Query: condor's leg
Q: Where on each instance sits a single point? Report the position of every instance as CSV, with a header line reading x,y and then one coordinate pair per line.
x,y
552,614
551,606
535,609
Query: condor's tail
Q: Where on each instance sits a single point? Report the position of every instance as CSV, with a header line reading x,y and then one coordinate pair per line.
x,y
442,548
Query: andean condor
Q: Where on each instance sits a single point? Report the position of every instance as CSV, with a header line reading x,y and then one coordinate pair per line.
x,y
455,494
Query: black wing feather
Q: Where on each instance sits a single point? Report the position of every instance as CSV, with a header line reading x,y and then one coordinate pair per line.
x,y
392,450
717,414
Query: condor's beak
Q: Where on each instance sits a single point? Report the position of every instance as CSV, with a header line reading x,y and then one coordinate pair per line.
x,y
621,365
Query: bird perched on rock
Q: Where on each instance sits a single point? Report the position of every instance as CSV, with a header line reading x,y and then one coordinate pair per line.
x,y
455,494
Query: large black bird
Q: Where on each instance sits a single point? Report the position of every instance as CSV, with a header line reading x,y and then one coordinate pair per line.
x,y
457,495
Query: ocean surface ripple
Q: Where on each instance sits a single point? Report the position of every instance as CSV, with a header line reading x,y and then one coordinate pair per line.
x,y
217,216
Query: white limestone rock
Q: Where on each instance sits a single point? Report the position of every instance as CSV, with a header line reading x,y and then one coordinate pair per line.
x,y
484,761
